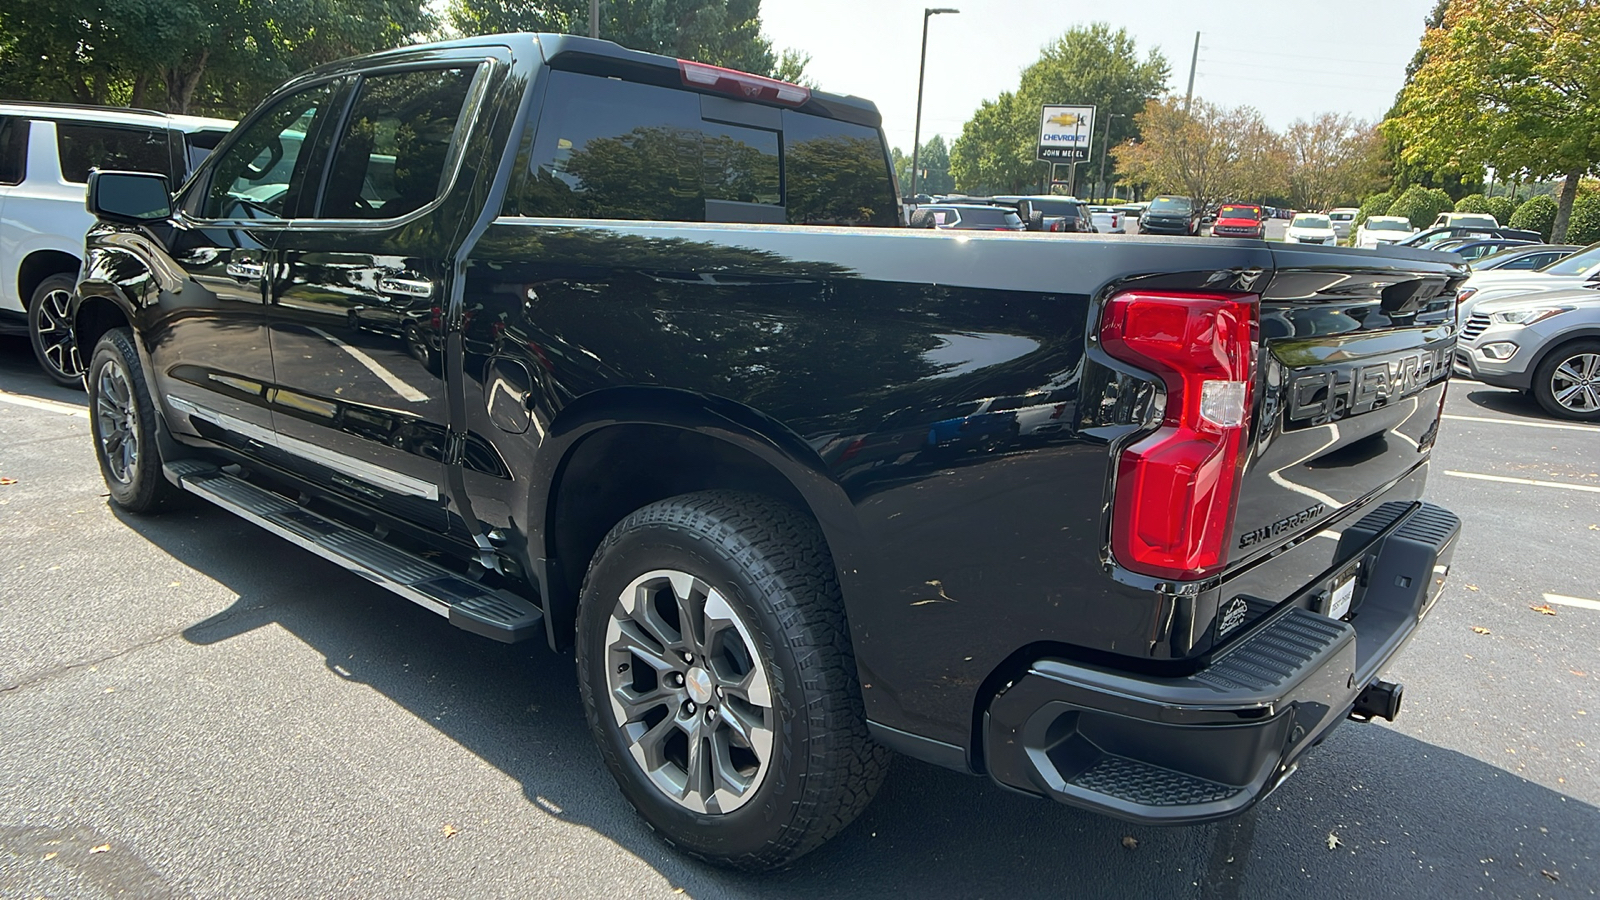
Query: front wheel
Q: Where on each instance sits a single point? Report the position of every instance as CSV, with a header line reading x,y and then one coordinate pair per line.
x,y
122,420
1567,382
718,679
50,330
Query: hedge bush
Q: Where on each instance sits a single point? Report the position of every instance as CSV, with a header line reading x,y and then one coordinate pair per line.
x,y
1473,203
1501,208
1421,205
1376,205
1584,226
1536,214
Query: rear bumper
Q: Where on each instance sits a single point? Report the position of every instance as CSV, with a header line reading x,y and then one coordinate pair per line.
x,y
1209,745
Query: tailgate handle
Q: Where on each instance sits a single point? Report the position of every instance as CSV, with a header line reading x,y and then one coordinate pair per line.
x,y
1404,298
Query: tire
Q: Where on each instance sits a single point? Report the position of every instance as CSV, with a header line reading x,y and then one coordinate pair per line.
x,y
757,576
50,330
123,423
1567,381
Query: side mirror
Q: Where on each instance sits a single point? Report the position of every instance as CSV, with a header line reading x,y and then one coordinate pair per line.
x,y
136,198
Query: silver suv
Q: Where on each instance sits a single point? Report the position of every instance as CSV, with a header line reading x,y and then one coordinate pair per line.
x,y
1546,344
46,152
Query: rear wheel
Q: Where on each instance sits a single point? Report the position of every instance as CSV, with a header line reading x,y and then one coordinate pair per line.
x,y
1567,382
123,421
717,675
50,330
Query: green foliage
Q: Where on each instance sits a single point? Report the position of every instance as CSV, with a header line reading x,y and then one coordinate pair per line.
x,y
1509,84
1585,225
1537,214
720,32
1376,205
1473,203
1093,65
1420,205
187,55
1501,208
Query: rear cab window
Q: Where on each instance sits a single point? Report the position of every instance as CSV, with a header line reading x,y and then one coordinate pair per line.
x,y
610,149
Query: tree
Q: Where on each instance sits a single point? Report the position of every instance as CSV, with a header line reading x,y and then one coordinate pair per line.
x,y
184,55
1209,153
1536,214
719,32
1473,203
1501,208
1420,205
1093,65
1512,84
1333,161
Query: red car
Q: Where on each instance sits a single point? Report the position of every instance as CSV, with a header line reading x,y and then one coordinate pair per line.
x,y
1240,220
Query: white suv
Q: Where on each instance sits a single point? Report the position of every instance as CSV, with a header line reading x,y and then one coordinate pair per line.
x,y
46,152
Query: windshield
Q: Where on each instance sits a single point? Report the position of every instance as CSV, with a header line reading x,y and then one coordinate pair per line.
x,y
1387,225
1581,263
1341,216
1310,222
1428,240
1239,212
1487,221
1171,205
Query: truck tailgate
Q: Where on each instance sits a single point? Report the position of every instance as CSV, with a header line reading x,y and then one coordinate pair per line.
x,y
1354,357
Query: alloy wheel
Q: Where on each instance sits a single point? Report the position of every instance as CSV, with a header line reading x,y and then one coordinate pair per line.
x,y
689,691
55,334
1575,383
117,418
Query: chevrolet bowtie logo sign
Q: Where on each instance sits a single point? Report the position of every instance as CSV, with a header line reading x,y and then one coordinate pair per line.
x,y
1066,133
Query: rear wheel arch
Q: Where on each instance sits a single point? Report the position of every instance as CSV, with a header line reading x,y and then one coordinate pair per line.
x,y
41,264
613,464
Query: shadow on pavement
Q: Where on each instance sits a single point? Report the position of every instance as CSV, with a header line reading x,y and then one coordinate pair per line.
x,y
1509,403
20,374
1410,817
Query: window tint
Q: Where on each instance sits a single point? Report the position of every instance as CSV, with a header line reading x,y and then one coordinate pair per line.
x,y
251,179
609,149
84,147
391,158
617,150
13,150
835,173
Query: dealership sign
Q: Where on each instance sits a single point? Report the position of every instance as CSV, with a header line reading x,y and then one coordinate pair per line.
x,y
1065,133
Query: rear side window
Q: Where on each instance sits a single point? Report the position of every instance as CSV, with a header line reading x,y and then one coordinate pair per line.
x,y
84,147
610,149
13,150
393,155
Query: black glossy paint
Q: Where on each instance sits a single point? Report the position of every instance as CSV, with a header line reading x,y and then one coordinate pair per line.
x,y
937,401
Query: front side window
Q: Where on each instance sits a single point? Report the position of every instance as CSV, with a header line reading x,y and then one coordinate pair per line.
x,y
391,159
13,150
111,147
252,177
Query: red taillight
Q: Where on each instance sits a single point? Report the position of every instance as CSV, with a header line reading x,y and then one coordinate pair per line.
x,y
742,84
1178,487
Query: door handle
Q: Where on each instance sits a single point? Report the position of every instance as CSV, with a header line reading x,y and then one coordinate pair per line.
x,y
406,287
246,271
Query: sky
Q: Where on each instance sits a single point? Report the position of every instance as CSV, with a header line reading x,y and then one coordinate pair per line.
x,y
1290,60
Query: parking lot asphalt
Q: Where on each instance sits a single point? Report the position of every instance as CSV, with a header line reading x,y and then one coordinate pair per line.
x,y
190,707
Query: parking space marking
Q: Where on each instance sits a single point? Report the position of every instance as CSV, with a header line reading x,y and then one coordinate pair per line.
x,y
1592,488
1524,424
1579,602
54,406
406,391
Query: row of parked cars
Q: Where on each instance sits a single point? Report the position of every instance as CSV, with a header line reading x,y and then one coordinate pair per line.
x,y
46,152
1020,212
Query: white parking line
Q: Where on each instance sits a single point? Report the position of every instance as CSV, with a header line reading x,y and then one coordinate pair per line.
x,y
1592,488
1524,424
54,406
1579,602
406,391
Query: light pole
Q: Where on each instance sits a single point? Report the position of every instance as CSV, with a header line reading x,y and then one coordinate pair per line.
x,y
1104,184
922,69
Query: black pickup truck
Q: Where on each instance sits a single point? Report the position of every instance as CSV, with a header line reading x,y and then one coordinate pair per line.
x,y
631,355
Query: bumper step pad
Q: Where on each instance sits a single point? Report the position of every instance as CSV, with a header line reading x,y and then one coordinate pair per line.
x,y
496,614
1196,748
